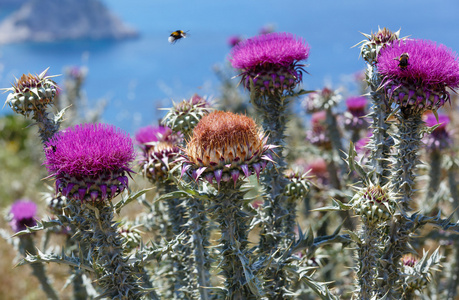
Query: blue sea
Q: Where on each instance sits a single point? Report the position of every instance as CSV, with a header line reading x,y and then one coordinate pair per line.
x,y
139,76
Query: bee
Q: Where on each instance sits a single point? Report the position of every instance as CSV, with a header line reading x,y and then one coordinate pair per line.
x,y
403,60
177,35
52,147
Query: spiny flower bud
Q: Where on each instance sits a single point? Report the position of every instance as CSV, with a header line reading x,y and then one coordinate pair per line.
x,y
298,188
90,161
417,73
31,93
321,100
371,47
375,204
160,151
185,115
270,61
226,147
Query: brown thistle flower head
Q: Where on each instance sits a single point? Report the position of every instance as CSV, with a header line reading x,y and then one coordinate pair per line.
x,y
31,93
226,146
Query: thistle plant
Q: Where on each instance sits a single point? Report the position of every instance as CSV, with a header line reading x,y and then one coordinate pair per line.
x,y
90,163
226,148
381,141
270,68
419,86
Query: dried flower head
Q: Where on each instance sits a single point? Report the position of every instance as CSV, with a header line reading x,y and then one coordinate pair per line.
x,y
271,61
225,146
440,137
31,93
421,82
185,115
90,161
23,213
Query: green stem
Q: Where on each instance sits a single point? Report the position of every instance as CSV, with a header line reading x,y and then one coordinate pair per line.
x,y
367,261
200,241
46,126
97,228
27,246
434,174
408,139
240,282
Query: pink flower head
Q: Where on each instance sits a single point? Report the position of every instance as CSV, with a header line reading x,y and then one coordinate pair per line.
x,y
353,118
356,104
23,214
440,138
416,74
234,40
271,61
90,161
431,120
151,133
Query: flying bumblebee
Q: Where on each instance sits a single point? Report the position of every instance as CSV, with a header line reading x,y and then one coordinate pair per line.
x,y
403,60
177,35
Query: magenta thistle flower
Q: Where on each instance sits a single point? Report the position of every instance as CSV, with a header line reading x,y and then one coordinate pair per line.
x,y
271,61
440,138
234,40
148,135
90,161
23,214
416,74
355,112
318,135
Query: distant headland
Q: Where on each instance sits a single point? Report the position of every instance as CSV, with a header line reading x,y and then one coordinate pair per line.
x,y
51,20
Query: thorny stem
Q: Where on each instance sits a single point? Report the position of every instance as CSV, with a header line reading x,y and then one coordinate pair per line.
x,y
235,264
97,228
26,245
200,240
408,141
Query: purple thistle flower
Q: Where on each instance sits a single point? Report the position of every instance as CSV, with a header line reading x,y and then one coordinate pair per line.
x,y
356,105
234,40
416,73
23,214
150,134
440,138
270,61
353,118
89,161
